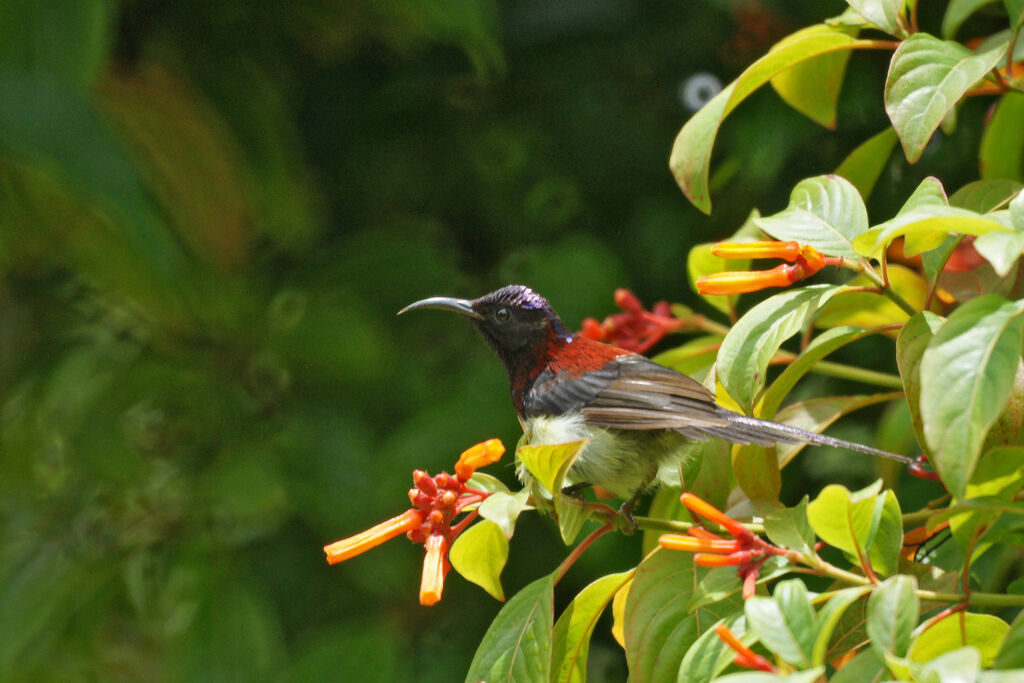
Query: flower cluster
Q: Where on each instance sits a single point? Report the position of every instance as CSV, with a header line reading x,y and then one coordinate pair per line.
x,y
635,329
746,551
437,501
805,261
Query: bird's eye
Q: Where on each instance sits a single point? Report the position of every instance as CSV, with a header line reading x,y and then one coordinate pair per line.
x,y
503,315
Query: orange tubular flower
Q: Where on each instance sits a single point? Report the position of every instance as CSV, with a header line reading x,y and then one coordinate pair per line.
x,y
480,455
745,657
436,500
344,549
805,260
435,567
680,542
746,551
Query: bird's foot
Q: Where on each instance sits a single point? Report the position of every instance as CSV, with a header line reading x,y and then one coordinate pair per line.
x,y
629,525
576,492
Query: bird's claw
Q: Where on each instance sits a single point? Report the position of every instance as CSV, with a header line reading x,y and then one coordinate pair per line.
x,y
629,524
576,493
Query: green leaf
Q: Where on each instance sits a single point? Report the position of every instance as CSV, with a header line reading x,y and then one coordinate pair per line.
x,y
829,616
756,470
709,656
503,509
57,128
691,152
658,627
807,676
957,12
1001,150
664,505
962,664
788,528
549,463
817,414
983,631
927,77
1011,652
752,342
871,309
892,615
68,41
925,227
864,165
997,479
1001,249
986,195
479,554
929,192
517,644
571,636
825,212
785,623
693,356
843,519
887,538
866,666
700,262
883,14
722,582
822,345
910,345
487,482
1015,10
967,374
866,519
812,87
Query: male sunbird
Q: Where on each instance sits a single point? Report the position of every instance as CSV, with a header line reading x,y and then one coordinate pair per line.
x,y
640,417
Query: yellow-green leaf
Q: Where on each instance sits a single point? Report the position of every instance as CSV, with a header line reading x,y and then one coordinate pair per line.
x,y
479,554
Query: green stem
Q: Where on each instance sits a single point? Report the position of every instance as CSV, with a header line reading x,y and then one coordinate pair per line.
x,y
882,379
889,292
921,516
976,599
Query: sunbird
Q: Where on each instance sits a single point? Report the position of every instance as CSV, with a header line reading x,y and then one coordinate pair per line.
x,y
640,417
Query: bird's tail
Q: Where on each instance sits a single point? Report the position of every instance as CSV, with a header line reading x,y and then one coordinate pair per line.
x,y
743,429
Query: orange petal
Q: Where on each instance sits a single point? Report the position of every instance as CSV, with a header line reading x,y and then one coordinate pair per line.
x,y
744,655
713,514
480,455
788,251
433,570
712,560
740,282
814,259
681,542
342,550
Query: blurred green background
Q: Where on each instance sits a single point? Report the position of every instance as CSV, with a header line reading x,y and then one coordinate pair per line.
x,y
210,212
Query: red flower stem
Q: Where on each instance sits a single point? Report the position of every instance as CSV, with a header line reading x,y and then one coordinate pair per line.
x,y
476,492
466,501
466,521
578,550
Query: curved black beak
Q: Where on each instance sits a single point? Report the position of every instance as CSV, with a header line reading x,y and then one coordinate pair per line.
x,y
444,303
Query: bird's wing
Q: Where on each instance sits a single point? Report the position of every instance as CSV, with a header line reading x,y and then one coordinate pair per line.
x,y
645,395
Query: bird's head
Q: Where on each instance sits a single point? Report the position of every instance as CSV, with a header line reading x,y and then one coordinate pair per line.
x,y
516,322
